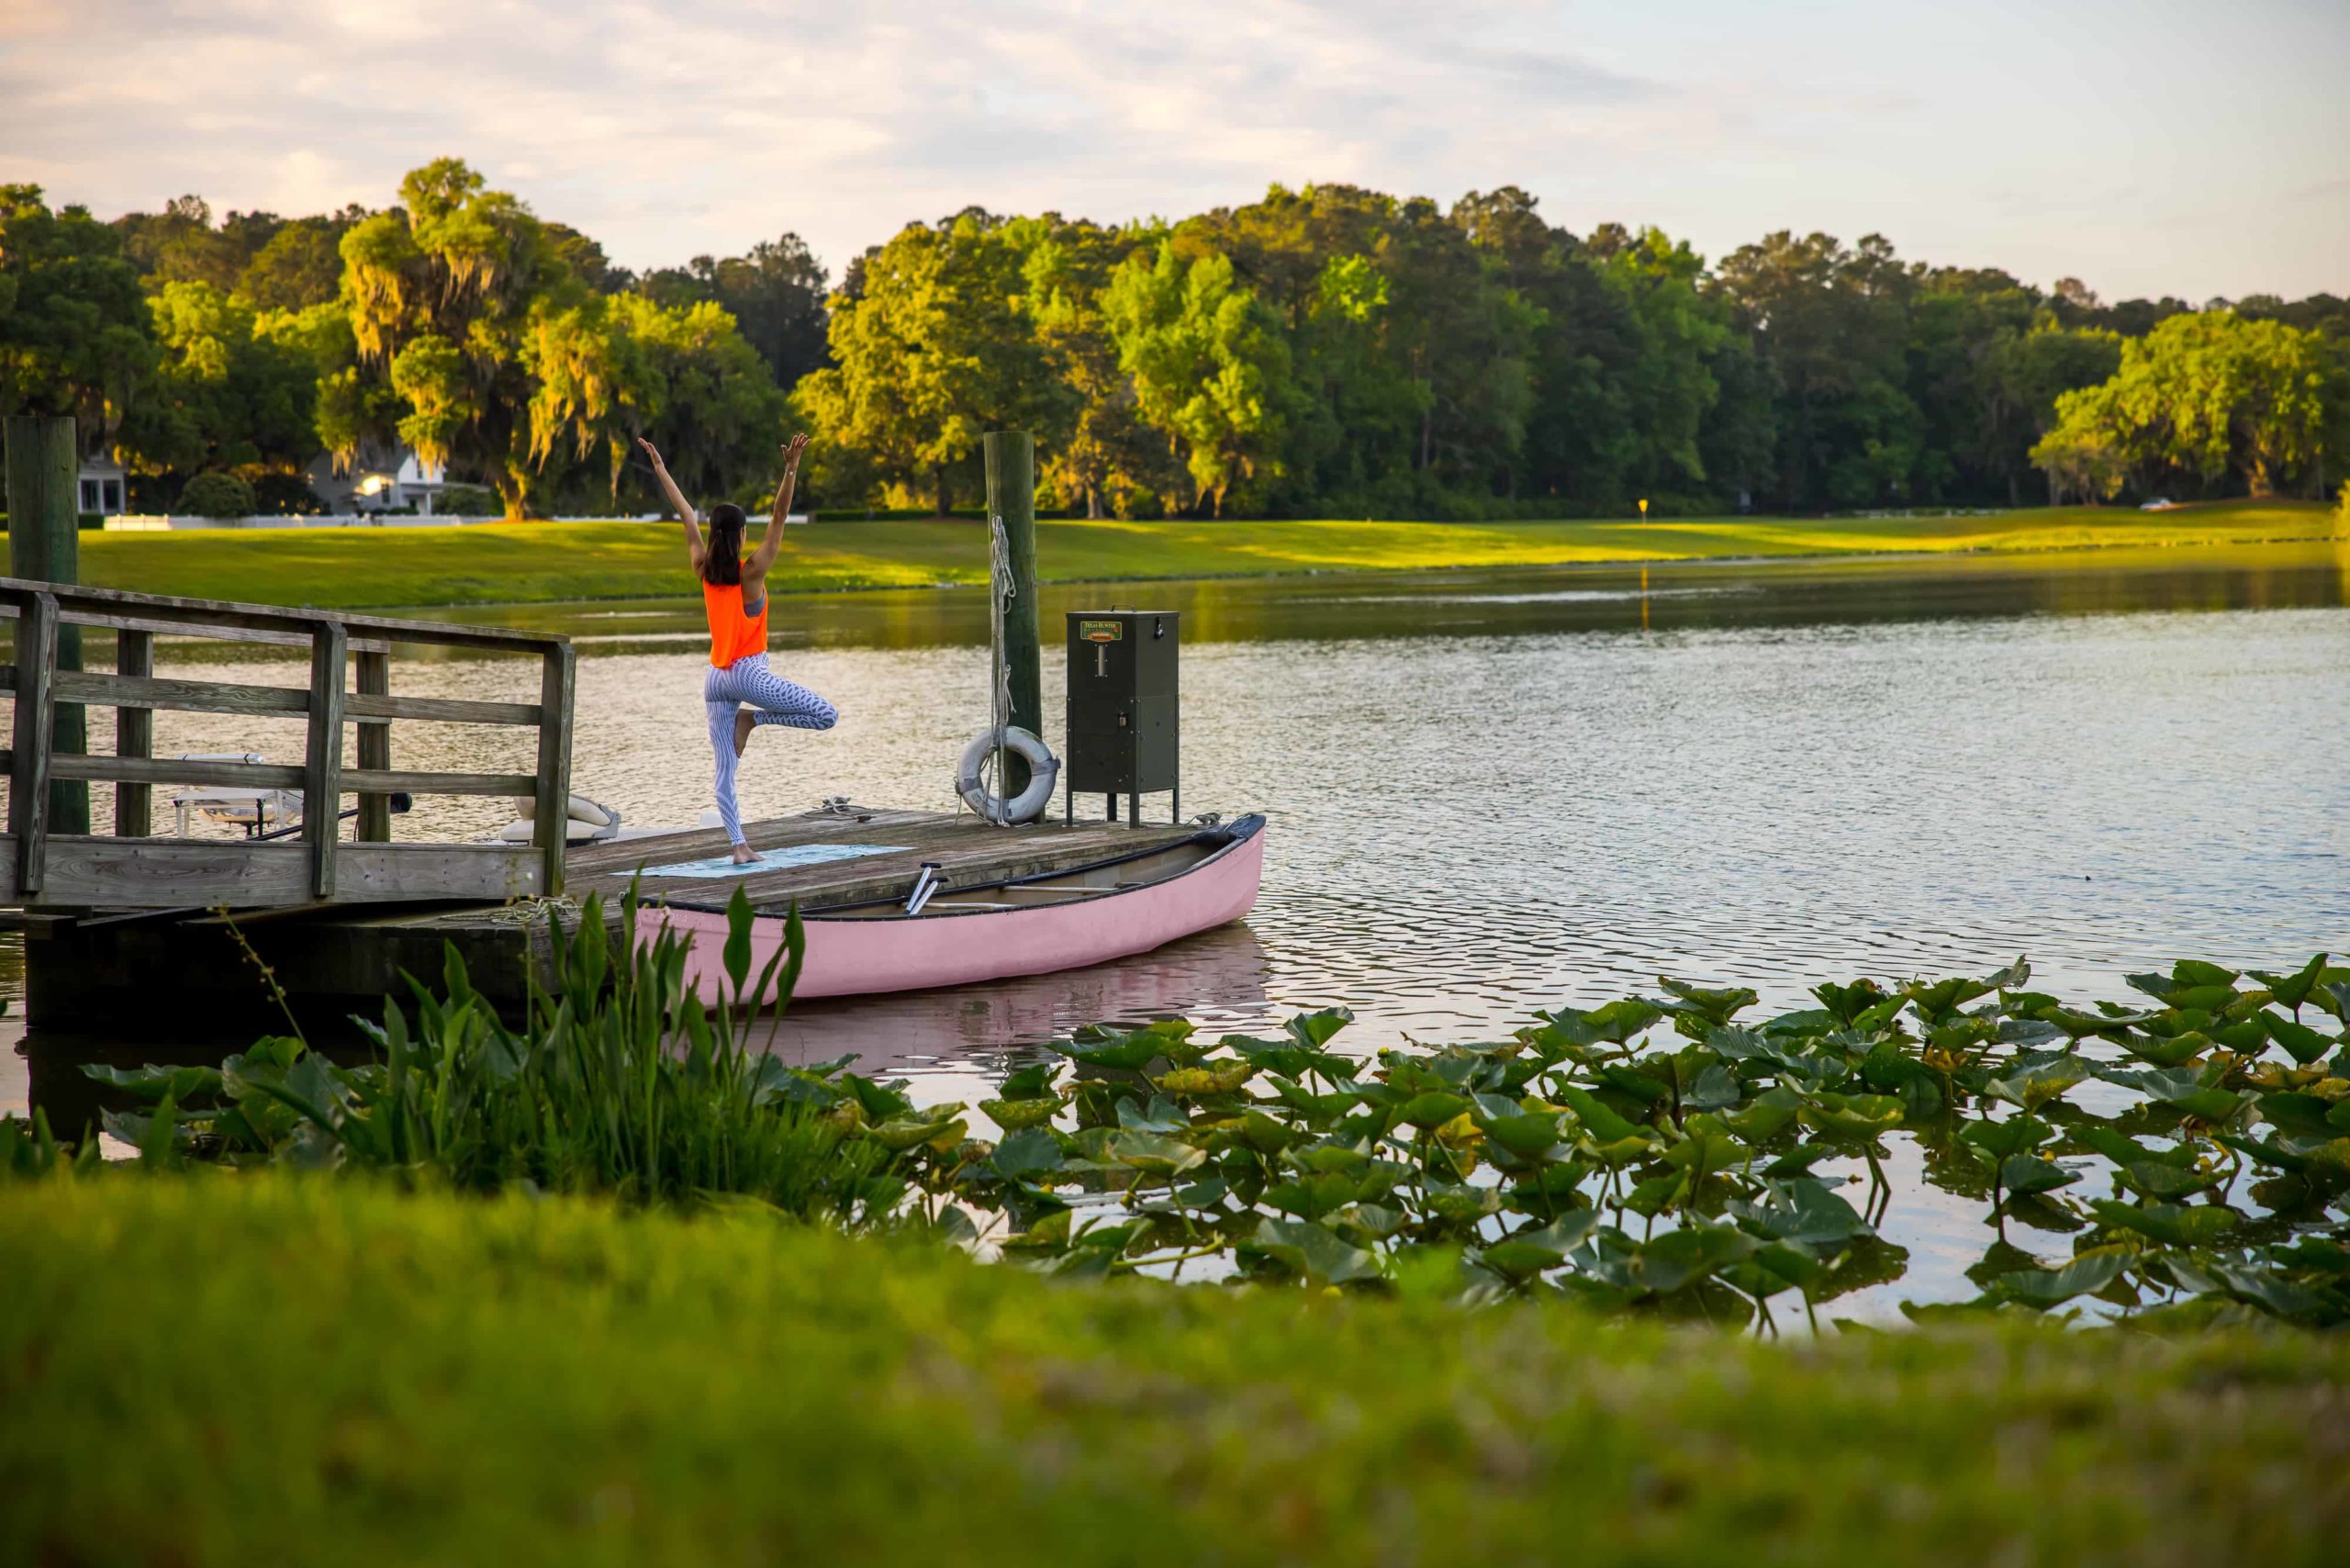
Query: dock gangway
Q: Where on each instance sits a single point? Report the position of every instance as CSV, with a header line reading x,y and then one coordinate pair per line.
x,y
349,689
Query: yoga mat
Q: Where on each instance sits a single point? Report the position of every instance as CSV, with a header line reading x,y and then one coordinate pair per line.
x,y
774,860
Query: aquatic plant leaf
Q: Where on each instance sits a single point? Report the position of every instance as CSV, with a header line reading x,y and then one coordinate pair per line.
x,y
1314,1030
2274,1294
2032,1083
735,956
2172,1225
2294,988
1153,1155
2082,1025
1612,1025
1847,1003
2044,1288
1314,1251
1525,1253
2175,1051
1765,1116
1026,1155
2004,1139
1605,1126
1220,1077
1799,1159
1430,1111
1125,1053
2303,1116
2026,1174
1031,1082
1854,1115
1528,1136
1636,1086
1936,999
1161,1115
1013,1116
2304,1044
151,1084
1313,1196
1713,1004
1806,1210
1679,1258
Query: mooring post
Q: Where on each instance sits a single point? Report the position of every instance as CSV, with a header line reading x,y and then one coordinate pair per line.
x,y
44,543
1012,496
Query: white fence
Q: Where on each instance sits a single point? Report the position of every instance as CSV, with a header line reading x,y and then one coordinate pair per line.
x,y
153,524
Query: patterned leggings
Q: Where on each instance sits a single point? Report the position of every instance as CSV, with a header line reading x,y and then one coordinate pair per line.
x,y
749,681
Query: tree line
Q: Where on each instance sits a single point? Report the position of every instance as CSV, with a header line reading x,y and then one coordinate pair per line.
x,y
1329,351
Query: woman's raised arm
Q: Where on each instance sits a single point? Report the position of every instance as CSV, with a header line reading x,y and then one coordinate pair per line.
x,y
695,550
765,556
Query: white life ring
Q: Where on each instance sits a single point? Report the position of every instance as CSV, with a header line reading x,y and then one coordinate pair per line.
x,y
1043,772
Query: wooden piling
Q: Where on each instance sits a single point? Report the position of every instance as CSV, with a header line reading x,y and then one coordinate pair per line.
x,y
375,679
45,544
1012,496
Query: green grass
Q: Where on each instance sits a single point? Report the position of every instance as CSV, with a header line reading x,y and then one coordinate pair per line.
x,y
258,1369
535,562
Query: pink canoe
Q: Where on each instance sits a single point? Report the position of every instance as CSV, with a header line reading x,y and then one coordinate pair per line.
x,y
1031,926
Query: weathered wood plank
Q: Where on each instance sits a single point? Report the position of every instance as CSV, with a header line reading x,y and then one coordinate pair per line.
x,y
552,807
374,745
172,770
439,709
167,873
101,690
383,780
238,635
322,756
183,873
30,761
91,606
134,736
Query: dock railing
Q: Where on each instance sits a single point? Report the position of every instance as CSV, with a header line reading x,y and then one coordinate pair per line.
x,y
133,869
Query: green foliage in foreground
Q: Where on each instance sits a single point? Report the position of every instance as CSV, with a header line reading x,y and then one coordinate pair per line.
x,y
618,1082
1650,1156
219,1370
525,563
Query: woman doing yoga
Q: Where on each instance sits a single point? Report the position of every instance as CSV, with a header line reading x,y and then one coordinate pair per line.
x,y
740,692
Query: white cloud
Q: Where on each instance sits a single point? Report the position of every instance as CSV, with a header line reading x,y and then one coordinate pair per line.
x,y
706,124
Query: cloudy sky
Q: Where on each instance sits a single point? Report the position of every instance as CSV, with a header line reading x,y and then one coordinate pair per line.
x,y
2145,146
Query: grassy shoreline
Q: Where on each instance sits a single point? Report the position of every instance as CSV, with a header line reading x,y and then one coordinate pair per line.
x,y
535,562
261,1368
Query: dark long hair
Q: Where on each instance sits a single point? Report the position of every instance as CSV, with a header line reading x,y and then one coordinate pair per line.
x,y
722,563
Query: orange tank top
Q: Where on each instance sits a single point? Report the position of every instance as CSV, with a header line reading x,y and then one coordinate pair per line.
x,y
733,635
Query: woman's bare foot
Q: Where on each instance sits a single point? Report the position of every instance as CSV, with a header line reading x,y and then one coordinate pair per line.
x,y
745,854
744,724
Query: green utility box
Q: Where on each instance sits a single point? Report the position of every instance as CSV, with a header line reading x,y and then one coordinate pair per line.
x,y
1123,706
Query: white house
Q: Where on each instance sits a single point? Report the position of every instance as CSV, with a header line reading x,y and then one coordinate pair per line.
x,y
379,481
102,488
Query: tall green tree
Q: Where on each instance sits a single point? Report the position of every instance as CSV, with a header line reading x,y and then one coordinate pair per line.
x,y
1209,367
2204,398
1831,320
229,396
441,293
76,335
935,349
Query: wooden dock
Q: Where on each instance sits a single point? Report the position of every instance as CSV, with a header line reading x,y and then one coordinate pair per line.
x,y
150,974
133,935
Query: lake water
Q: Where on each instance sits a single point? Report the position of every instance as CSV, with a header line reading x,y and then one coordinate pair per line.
x,y
1489,793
